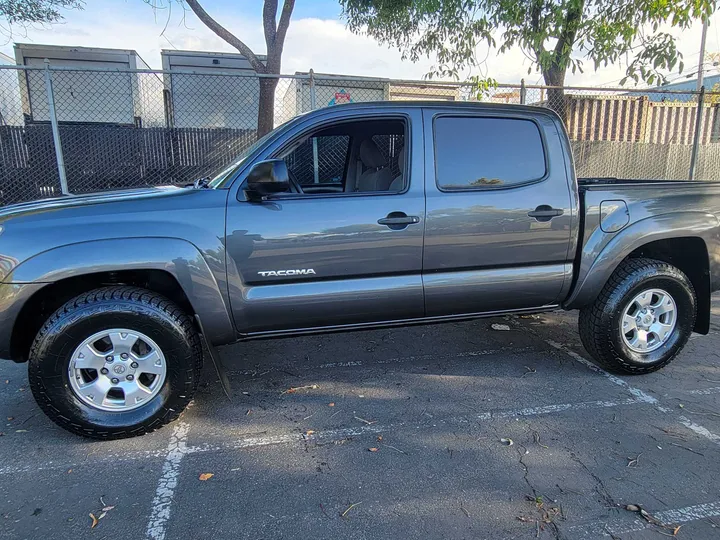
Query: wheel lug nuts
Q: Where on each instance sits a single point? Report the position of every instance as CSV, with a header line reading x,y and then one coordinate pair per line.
x,y
115,380
130,377
104,371
134,365
109,359
124,356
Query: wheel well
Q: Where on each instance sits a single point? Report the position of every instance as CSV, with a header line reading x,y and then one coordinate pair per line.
x,y
690,255
48,299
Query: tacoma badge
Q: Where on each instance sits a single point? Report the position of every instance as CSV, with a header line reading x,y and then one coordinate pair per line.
x,y
276,273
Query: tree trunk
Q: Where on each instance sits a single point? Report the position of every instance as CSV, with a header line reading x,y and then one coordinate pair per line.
x,y
266,109
556,96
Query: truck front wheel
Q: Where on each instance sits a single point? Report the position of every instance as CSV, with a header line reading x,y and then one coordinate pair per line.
x,y
642,318
115,362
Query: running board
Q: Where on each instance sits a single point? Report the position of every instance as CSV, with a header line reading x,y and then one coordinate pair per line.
x,y
219,368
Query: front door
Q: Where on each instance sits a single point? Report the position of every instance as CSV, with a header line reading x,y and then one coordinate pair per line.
x,y
347,247
499,212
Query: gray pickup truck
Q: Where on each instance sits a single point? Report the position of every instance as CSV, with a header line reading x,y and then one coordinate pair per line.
x,y
350,217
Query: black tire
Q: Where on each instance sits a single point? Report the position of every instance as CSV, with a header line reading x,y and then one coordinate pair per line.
x,y
114,307
600,322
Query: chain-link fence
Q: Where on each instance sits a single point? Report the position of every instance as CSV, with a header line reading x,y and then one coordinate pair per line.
x,y
81,130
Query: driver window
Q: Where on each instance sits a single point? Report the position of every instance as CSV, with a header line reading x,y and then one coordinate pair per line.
x,y
319,160
351,157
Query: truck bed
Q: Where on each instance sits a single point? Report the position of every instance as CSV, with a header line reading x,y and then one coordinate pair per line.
x,y
614,181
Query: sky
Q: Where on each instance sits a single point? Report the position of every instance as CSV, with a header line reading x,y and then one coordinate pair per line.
x,y
317,39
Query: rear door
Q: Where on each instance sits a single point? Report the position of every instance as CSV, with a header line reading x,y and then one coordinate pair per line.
x,y
329,256
499,211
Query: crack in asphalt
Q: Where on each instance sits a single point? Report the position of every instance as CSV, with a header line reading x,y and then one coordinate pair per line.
x,y
554,527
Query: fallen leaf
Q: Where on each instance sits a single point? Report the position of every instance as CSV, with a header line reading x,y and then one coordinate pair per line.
x,y
373,449
507,442
294,389
309,432
94,520
331,404
10,418
379,438
206,476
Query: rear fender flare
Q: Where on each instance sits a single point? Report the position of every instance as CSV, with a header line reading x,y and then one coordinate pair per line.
x,y
601,256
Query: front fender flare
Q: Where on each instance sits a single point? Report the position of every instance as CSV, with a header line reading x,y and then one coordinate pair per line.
x,y
177,257
603,252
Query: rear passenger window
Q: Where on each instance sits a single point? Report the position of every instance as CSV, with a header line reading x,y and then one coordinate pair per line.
x,y
485,153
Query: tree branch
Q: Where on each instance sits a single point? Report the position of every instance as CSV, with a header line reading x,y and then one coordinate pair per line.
x,y
226,35
269,15
282,28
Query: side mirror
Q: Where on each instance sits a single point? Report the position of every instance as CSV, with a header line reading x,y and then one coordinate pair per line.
x,y
267,177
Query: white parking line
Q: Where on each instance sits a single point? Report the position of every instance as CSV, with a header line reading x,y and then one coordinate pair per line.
x,y
677,516
705,391
426,357
550,409
704,432
177,448
398,360
160,514
639,394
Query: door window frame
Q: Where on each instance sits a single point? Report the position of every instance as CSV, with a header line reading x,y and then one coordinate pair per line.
x,y
275,150
502,116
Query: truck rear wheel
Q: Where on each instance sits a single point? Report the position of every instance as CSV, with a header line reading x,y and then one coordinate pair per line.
x,y
642,318
115,362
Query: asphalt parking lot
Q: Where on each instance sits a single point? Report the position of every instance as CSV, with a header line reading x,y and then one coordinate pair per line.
x,y
445,431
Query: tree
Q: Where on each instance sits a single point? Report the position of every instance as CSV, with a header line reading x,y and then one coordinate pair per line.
x,y
555,35
275,32
24,13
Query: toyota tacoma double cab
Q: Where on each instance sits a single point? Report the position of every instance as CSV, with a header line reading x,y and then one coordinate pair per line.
x,y
349,217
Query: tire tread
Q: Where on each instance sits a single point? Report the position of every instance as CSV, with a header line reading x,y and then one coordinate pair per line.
x,y
595,335
110,294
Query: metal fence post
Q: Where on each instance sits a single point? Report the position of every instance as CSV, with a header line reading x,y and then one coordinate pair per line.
x,y
313,103
523,92
55,129
313,97
698,131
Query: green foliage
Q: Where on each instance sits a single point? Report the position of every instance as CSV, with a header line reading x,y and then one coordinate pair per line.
x,y
556,35
27,12
481,87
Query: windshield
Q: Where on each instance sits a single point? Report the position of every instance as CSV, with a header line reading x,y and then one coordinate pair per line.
x,y
219,180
